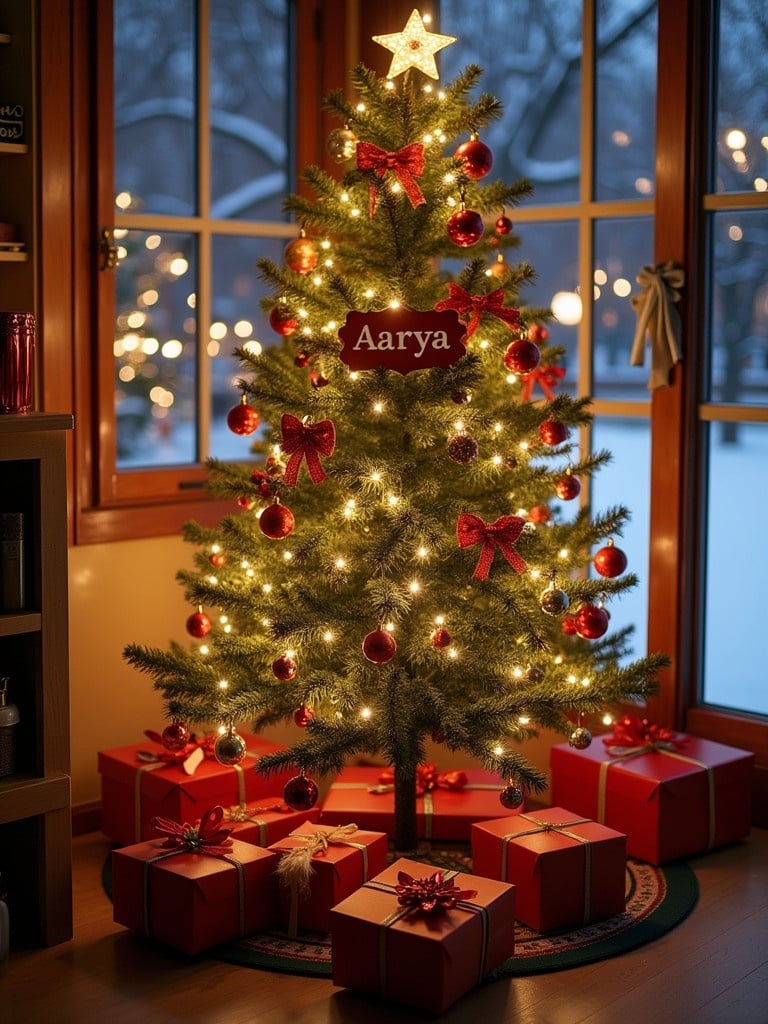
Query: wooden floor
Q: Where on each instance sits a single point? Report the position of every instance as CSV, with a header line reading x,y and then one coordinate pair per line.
x,y
711,969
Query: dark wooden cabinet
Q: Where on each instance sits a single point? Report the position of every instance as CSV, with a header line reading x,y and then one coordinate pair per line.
x,y
35,801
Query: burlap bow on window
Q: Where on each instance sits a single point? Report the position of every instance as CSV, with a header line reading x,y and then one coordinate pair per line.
x,y
657,316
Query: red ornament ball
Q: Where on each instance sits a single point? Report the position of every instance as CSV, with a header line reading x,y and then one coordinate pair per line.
x,y
284,667
300,793
568,625
242,418
476,158
540,514
461,397
301,359
317,380
465,228
522,356
245,502
538,334
512,796
503,225
199,625
175,736
218,559
591,621
568,487
440,638
229,748
276,521
379,646
463,449
282,320
553,432
303,716
300,255
610,561
260,480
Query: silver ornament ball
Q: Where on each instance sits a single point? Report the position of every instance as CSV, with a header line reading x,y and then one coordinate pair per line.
x,y
229,749
580,738
342,145
554,601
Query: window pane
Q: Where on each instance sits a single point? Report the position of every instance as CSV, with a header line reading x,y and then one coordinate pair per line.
x,y
739,334
531,56
155,106
622,248
249,155
552,248
626,481
734,644
625,100
236,294
741,157
155,349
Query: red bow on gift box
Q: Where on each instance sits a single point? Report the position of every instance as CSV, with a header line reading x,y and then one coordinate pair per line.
x,y
427,779
502,534
306,440
177,757
547,378
430,895
632,733
406,163
205,837
493,303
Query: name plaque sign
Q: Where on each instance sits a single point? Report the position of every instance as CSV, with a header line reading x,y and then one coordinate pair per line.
x,y
402,339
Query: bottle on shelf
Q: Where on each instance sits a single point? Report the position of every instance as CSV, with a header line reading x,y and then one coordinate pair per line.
x,y
9,719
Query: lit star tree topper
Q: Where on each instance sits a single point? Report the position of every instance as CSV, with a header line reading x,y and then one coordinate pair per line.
x,y
414,47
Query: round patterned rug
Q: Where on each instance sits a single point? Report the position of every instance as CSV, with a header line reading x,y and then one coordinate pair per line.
x,y
657,899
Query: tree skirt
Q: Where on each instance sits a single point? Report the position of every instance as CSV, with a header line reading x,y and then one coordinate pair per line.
x,y
657,899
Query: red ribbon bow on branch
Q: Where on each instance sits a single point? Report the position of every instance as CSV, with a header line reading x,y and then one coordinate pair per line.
x,y
430,895
310,440
634,733
406,163
547,378
502,534
492,303
428,778
205,837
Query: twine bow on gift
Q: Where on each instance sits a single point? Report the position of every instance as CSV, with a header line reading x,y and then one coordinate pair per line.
x,y
657,316
241,813
206,836
308,440
296,869
407,164
492,303
470,530
430,895
546,377
428,778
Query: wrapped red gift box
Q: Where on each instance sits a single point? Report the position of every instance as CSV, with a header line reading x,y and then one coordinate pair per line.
x,y
425,960
567,870
669,803
133,791
264,823
193,901
338,870
441,813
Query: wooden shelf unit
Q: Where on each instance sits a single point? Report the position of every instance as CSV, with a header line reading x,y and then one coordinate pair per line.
x,y
35,801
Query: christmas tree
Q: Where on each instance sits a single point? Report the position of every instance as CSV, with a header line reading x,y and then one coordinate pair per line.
x,y
408,561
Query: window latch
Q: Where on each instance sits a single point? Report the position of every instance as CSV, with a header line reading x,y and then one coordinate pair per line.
x,y
108,251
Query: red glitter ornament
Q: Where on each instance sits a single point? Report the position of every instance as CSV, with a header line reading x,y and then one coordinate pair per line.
x,y
463,449
553,432
503,225
540,514
276,521
568,487
538,334
260,480
300,255
476,158
591,621
465,227
198,624
440,638
303,716
242,418
175,736
610,561
284,667
522,356
301,359
379,646
568,625
512,796
300,793
245,502
282,320
316,379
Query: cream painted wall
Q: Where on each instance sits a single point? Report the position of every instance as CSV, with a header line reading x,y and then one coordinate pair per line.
x,y
127,593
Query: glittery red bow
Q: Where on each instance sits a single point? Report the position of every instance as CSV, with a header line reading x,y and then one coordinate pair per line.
x,y
492,303
428,778
205,837
633,732
406,163
310,440
430,895
502,534
547,378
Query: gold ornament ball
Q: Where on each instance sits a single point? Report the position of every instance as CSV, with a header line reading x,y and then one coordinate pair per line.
x,y
580,738
342,145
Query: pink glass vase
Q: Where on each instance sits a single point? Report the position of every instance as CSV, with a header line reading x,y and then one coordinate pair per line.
x,y
17,357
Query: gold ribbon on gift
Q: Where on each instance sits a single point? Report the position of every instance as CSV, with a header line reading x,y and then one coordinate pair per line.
x,y
241,813
295,868
667,749
401,912
657,316
240,868
562,829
